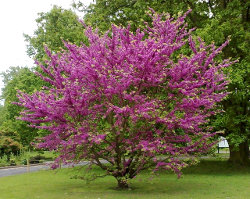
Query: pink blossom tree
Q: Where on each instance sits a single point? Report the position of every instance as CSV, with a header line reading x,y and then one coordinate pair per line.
x,y
130,101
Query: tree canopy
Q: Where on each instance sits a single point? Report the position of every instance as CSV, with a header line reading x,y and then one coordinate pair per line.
x,y
132,99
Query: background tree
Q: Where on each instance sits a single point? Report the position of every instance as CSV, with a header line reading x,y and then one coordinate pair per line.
x,y
231,18
104,12
215,21
135,101
17,78
53,27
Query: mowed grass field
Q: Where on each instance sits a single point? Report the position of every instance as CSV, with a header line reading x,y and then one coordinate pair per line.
x,y
209,179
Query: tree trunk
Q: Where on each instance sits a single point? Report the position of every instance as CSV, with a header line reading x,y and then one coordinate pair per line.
x,y
239,155
122,183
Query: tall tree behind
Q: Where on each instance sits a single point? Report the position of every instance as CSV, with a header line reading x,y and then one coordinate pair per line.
x,y
23,79
53,27
231,18
104,12
215,21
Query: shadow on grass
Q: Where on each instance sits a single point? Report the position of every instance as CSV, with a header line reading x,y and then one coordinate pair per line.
x,y
166,186
216,167
165,181
204,167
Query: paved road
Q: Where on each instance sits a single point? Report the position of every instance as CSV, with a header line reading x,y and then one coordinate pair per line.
x,y
24,169
20,170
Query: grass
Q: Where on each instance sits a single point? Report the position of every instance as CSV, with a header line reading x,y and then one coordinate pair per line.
x,y
210,179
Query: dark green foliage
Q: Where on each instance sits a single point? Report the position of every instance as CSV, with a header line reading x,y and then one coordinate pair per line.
x,y
124,12
9,143
231,18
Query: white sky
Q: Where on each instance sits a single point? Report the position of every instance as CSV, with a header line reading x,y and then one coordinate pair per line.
x,y
18,17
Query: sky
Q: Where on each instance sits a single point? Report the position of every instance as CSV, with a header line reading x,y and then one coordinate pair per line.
x,y
18,17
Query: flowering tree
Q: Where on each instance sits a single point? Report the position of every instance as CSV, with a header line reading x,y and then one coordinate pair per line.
x,y
132,100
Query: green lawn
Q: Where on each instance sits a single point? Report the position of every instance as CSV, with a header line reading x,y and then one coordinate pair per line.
x,y
209,179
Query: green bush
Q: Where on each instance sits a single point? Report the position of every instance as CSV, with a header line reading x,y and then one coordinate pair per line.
x,y
3,160
8,146
9,143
